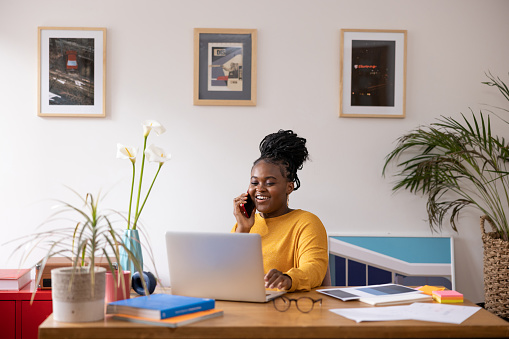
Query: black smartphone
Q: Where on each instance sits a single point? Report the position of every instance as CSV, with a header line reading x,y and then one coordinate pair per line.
x,y
248,207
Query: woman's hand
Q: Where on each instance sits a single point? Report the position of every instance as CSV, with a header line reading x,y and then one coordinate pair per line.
x,y
276,279
244,224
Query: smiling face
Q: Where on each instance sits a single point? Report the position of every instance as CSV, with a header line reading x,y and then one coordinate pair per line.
x,y
269,189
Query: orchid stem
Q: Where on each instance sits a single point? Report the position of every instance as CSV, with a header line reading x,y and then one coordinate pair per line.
x,y
131,198
139,187
146,197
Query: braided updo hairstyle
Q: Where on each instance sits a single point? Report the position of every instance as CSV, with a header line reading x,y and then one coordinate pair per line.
x,y
287,150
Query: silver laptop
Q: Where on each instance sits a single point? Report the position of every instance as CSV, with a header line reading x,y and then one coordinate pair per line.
x,y
221,266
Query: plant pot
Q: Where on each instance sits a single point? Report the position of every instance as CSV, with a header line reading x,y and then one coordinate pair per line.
x,y
75,299
115,289
496,271
131,241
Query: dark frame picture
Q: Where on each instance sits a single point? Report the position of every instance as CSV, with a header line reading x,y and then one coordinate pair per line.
x,y
225,67
71,72
373,73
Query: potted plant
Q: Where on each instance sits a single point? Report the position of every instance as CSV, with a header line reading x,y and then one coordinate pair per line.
x,y
78,291
458,164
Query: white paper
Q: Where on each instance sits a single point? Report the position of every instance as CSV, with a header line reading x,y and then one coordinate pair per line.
x,y
454,314
373,313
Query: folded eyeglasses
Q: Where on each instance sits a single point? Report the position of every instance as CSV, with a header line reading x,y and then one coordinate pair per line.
x,y
304,304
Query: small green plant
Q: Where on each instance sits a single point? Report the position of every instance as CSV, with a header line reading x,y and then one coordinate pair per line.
x,y
90,235
457,164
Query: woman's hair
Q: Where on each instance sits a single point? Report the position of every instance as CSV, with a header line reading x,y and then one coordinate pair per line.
x,y
286,149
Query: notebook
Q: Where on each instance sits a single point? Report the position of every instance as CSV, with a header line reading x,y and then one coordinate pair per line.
x,y
221,266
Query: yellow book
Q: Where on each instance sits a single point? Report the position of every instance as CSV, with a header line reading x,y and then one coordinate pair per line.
x,y
450,301
448,297
177,321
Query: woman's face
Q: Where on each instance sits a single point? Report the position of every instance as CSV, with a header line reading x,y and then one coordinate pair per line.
x,y
269,189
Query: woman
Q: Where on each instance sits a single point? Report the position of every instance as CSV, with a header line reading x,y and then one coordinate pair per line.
x,y
294,242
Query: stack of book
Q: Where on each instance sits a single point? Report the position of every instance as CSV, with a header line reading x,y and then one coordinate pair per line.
x,y
14,279
447,297
163,310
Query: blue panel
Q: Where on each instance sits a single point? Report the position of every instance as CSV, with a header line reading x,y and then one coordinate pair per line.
x,y
378,276
338,272
356,273
408,249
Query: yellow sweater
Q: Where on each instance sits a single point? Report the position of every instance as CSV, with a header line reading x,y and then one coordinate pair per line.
x,y
295,244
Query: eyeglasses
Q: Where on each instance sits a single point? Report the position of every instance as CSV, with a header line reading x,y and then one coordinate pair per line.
x,y
304,304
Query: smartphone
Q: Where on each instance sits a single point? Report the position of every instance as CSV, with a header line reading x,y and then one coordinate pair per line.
x,y
248,207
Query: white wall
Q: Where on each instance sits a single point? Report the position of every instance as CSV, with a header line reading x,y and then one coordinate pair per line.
x,y
150,76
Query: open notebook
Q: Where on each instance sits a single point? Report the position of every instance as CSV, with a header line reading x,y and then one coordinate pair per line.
x,y
222,266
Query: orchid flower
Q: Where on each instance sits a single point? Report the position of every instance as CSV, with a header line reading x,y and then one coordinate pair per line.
x,y
154,154
124,152
149,125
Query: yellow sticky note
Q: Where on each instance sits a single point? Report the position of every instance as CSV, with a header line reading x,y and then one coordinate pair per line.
x,y
426,289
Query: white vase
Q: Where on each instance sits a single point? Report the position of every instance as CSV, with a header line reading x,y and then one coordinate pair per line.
x,y
78,300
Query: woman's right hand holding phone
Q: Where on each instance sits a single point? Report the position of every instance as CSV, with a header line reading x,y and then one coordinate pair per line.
x,y
244,223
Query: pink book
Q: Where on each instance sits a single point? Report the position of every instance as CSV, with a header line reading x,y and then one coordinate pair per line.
x,y
448,294
14,279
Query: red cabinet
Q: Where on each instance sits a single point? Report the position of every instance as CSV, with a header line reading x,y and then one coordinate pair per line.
x,y
8,318
19,319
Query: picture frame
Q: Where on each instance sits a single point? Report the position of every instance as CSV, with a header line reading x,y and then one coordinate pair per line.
x,y
373,73
71,77
225,67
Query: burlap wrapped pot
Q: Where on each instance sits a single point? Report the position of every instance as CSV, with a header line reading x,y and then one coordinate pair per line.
x,y
496,271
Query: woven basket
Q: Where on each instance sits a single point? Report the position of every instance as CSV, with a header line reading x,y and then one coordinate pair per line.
x,y
496,271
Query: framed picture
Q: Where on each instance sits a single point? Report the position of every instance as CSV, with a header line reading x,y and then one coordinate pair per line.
x,y
372,73
71,72
225,67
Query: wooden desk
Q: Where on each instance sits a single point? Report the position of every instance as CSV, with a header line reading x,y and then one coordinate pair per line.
x,y
252,320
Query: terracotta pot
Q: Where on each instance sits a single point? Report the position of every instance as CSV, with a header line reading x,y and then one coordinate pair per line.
x,y
117,291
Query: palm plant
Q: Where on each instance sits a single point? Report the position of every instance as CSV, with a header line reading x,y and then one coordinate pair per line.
x,y
457,164
91,235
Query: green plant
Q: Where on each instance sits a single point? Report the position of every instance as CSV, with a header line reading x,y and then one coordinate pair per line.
x,y
91,236
457,164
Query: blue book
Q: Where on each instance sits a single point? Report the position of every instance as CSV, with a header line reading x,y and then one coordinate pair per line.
x,y
160,306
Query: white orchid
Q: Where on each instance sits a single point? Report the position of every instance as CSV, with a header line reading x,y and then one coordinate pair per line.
x,y
125,152
153,154
149,125
156,154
